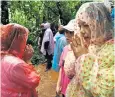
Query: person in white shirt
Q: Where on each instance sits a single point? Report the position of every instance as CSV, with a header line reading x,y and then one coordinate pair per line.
x,y
47,47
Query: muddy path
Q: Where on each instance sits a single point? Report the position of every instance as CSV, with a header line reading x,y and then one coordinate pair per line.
x,y
48,81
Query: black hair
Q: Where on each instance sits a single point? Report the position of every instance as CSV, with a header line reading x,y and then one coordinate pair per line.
x,y
62,31
112,6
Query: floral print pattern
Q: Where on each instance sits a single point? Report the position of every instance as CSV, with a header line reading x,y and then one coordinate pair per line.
x,y
94,74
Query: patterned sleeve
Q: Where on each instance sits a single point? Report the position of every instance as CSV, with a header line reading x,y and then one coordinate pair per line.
x,y
95,75
84,69
69,65
75,87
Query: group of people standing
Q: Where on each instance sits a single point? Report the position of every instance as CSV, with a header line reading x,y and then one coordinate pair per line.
x,y
82,52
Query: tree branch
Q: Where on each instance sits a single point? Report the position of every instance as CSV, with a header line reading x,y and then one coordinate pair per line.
x,y
51,9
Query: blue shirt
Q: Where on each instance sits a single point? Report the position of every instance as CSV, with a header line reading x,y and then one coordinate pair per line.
x,y
60,44
112,16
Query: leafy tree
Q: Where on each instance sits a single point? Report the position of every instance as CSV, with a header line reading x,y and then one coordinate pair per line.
x,y
32,13
4,12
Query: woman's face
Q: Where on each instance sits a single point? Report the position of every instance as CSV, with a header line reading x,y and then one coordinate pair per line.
x,y
85,35
69,36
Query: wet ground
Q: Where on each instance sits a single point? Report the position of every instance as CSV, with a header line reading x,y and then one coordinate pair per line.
x,y
47,86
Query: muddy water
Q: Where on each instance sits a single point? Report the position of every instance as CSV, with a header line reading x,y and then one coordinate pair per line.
x,y
48,81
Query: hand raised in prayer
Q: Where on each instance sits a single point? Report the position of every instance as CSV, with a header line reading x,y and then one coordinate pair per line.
x,y
28,53
78,46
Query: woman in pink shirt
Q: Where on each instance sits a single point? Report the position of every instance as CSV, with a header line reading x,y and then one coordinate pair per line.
x,y
63,79
19,79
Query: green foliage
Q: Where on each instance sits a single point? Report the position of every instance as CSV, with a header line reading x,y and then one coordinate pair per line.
x,y
37,58
32,13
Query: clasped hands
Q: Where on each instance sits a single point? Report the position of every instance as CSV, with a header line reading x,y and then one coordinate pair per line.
x,y
28,52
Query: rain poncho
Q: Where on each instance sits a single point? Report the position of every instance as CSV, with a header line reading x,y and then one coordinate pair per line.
x,y
94,71
19,79
48,36
60,44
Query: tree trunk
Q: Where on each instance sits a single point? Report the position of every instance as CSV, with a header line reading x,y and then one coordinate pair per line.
x,y
64,20
4,13
59,11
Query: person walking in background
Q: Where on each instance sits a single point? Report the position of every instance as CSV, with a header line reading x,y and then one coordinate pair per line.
x,y
19,79
53,28
59,28
41,35
60,43
47,47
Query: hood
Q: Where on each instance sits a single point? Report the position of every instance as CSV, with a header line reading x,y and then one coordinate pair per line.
x,y
46,25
